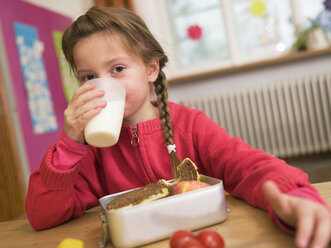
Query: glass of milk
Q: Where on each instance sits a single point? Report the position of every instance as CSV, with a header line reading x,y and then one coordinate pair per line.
x,y
103,130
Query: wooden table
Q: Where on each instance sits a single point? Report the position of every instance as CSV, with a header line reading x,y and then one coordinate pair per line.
x,y
245,226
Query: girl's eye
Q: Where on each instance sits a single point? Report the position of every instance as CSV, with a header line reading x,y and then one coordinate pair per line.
x,y
87,77
118,69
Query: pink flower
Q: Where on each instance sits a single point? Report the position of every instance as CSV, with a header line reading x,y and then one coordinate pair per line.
x,y
327,4
194,32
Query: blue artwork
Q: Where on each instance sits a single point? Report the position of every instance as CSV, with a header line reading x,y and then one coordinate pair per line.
x,y
30,50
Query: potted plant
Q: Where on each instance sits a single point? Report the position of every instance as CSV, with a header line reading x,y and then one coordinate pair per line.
x,y
314,36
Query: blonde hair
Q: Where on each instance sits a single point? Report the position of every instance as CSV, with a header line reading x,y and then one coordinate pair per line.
x,y
138,40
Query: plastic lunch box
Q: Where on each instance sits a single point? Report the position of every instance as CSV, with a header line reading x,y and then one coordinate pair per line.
x,y
157,220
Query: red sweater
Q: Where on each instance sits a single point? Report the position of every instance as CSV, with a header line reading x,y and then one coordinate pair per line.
x,y
72,177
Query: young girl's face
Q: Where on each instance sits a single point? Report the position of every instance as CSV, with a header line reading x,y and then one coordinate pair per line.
x,y
104,55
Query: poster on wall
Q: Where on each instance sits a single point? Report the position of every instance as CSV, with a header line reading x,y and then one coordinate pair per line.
x,y
40,104
35,74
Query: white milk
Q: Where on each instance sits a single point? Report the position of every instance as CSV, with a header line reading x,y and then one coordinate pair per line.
x,y
103,129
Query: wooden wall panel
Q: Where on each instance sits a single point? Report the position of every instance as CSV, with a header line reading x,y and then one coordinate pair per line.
x,y
12,188
128,4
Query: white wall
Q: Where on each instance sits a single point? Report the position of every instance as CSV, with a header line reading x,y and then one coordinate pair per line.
x,y
71,8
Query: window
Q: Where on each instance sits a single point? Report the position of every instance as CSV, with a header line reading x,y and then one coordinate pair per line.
x,y
201,36
194,26
263,25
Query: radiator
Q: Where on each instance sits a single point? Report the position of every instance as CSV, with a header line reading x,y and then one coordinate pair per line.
x,y
286,119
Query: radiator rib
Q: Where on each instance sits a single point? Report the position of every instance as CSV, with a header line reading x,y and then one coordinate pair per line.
x,y
286,119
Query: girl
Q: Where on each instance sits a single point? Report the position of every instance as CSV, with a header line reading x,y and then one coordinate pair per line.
x,y
111,42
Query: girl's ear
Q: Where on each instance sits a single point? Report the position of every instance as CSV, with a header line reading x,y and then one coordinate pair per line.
x,y
153,70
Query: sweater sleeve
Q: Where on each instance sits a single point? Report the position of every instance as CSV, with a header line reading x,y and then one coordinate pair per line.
x,y
68,152
303,192
59,193
242,168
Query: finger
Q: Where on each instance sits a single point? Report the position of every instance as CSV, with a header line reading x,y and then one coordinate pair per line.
x,y
78,119
75,127
88,107
75,121
83,119
305,227
86,97
82,89
322,231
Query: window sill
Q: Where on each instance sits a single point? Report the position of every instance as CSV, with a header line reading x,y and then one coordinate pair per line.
x,y
295,56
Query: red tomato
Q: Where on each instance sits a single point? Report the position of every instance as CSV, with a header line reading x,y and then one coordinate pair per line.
x,y
180,237
193,243
210,239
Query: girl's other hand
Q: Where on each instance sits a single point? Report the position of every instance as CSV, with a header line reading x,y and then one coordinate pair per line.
x,y
311,220
80,110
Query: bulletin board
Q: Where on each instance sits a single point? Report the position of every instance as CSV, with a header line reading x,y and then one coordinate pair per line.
x,y
32,54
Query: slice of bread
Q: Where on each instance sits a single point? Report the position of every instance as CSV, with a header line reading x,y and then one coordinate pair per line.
x,y
147,193
188,171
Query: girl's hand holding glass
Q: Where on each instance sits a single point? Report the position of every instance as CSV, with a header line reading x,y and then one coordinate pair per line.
x,y
80,110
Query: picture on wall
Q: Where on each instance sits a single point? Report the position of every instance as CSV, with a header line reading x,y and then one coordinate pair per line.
x,y
30,50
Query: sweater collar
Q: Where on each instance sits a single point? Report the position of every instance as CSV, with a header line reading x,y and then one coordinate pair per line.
x,y
150,126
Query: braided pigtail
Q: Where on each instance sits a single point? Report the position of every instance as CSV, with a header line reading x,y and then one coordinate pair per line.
x,y
163,106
